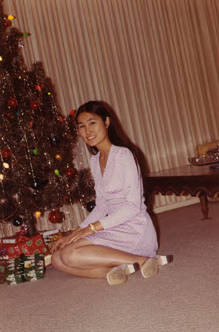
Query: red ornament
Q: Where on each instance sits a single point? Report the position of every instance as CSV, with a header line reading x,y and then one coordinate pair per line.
x,y
38,87
72,112
60,118
7,23
35,104
6,152
70,172
56,216
10,115
12,102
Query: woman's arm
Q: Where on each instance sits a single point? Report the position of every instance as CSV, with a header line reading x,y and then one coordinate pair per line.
x,y
100,209
76,235
132,191
98,212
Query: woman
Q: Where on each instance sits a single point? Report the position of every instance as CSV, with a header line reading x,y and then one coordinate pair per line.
x,y
118,236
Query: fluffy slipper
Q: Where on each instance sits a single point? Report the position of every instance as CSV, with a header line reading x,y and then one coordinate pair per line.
x,y
150,268
163,260
119,274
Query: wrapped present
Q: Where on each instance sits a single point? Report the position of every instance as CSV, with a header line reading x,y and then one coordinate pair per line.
x,y
50,237
31,245
25,268
48,260
9,248
20,244
3,268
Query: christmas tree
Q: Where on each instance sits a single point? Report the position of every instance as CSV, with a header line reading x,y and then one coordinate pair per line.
x,y
37,171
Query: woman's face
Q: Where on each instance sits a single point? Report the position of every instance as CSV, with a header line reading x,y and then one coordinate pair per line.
x,y
92,129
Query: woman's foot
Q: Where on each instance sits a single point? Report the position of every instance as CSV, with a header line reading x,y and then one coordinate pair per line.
x,y
163,260
150,267
119,274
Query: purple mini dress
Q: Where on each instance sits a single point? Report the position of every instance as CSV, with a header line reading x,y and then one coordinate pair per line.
x,y
120,205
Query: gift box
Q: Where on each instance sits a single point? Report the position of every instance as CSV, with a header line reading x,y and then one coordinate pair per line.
x,y
20,244
50,237
3,269
25,268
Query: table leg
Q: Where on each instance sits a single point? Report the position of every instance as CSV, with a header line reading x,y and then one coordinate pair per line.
x,y
204,205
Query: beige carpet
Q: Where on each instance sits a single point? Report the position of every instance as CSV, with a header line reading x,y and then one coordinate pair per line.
x,y
183,297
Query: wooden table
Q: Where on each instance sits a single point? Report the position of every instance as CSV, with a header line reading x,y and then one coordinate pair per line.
x,y
199,181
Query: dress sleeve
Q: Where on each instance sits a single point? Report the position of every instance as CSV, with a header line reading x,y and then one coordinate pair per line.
x,y
131,191
100,208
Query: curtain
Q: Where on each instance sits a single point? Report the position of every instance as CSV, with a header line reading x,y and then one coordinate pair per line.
x,y
155,61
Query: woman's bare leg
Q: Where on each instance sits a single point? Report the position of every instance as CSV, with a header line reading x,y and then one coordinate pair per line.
x,y
98,273
92,261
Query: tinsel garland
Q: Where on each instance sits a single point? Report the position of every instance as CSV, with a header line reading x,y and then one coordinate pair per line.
x,y
37,142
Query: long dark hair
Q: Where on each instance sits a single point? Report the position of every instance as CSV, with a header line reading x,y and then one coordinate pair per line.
x,y
116,133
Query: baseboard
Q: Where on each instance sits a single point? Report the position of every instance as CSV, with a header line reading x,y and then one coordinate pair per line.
x,y
193,200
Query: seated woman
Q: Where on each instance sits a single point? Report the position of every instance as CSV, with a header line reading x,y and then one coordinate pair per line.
x,y
118,236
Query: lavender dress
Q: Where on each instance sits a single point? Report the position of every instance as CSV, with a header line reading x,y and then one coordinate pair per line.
x,y
120,205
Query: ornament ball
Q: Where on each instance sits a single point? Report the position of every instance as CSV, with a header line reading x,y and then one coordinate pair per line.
x,y
72,112
38,87
7,23
70,172
6,152
90,206
11,17
12,102
37,214
35,104
18,221
35,152
26,34
56,171
58,157
56,216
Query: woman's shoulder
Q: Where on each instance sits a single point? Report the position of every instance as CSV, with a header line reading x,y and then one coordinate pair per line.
x,y
122,152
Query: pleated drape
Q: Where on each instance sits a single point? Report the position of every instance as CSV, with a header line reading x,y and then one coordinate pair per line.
x,y
155,61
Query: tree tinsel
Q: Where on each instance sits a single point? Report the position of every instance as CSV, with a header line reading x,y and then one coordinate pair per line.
x,y
37,171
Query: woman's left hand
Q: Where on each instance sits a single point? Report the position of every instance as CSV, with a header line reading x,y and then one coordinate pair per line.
x,y
74,236
80,233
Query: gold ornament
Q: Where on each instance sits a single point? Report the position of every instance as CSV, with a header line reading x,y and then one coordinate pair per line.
x,y
1,58
58,157
1,177
37,214
11,17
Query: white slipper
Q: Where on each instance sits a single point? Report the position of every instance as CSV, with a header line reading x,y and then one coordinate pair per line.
x,y
150,267
119,274
163,260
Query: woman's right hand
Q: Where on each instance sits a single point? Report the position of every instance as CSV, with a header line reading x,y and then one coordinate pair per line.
x,y
65,240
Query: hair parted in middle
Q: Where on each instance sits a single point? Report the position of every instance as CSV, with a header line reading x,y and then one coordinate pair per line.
x,y
116,133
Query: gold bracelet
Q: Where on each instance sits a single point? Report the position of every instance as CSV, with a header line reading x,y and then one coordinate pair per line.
x,y
93,228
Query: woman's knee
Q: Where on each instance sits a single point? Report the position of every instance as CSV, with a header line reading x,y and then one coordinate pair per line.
x,y
69,256
55,259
